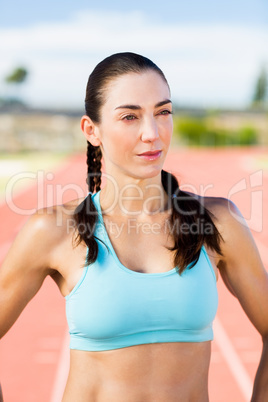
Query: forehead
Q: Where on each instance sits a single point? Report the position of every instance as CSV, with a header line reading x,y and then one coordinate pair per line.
x,y
137,88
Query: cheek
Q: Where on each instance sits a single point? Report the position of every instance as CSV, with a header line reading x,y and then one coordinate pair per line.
x,y
120,142
126,136
167,129
171,129
126,144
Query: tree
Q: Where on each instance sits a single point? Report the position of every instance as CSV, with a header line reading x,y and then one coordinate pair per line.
x,y
261,89
18,76
14,80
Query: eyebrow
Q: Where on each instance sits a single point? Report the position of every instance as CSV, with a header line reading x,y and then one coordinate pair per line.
x,y
137,107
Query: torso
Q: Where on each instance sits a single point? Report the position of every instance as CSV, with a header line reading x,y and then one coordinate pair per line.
x,y
174,372
151,372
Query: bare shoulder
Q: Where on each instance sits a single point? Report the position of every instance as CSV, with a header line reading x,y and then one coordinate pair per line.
x,y
238,245
229,221
219,206
235,233
225,214
44,231
52,222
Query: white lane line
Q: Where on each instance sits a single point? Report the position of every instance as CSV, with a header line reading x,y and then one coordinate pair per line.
x,y
232,360
62,371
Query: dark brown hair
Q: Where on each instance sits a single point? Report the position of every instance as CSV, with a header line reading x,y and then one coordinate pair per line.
x,y
191,224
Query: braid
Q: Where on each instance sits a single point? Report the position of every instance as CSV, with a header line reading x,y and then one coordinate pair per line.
x,y
191,224
85,214
94,156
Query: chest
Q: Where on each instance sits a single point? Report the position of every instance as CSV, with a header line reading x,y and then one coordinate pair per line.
x,y
140,246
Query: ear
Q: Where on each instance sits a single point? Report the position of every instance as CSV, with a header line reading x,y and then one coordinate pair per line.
x,y
90,131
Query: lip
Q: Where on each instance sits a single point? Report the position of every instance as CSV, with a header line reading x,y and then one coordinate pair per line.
x,y
150,155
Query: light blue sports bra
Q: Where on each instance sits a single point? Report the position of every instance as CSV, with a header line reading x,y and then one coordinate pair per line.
x,y
113,307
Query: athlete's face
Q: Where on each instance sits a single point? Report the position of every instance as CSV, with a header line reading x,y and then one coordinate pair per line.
x,y
136,119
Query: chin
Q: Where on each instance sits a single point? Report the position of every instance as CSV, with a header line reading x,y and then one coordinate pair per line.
x,y
149,174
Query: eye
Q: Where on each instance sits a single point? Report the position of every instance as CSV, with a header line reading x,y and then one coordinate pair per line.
x,y
129,117
165,112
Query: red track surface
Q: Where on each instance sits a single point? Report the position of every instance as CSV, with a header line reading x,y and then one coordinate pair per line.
x,y
32,354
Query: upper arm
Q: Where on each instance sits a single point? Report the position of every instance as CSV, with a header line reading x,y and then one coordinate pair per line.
x,y
24,269
241,266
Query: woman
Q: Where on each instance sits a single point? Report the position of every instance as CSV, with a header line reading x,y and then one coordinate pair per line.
x,y
140,310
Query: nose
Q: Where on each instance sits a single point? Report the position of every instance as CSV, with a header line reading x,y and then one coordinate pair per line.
x,y
149,131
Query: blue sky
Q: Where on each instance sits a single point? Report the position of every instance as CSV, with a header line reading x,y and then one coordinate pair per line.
x,y
210,51
253,12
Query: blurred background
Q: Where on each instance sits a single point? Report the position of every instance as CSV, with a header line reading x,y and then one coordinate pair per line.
x,y
215,57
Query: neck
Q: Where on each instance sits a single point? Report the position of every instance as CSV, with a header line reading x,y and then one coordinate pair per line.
x,y
138,197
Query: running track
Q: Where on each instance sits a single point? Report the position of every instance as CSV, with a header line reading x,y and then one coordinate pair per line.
x,y
34,354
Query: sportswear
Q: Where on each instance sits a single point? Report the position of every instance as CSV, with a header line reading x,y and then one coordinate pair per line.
x,y
114,307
